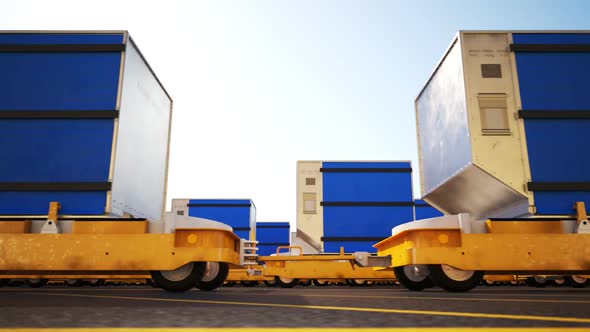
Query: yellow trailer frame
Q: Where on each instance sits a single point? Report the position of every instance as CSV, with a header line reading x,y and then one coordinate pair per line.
x,y
519,247
111,248
330,267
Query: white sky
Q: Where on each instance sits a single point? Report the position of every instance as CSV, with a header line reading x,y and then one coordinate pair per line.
x,y
258,85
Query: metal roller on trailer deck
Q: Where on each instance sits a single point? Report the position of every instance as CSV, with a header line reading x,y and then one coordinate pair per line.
x,y
84,134
501,124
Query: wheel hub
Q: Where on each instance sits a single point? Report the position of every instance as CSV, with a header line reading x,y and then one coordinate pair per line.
x,y
579,279
286,280
457,274
179,274
211,271
540,280
416,273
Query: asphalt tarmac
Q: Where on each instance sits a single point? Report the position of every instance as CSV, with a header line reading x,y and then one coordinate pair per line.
x,y
311,307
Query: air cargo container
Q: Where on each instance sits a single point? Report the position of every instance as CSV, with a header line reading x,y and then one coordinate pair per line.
x,y
83,121
84,136
502,125
351,203
240,214
271,235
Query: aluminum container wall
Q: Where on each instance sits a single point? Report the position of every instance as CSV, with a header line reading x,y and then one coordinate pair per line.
x,y
443,129
143,138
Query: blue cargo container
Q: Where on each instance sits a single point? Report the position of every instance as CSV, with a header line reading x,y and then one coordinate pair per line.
x,y
502,124
83,121
359,202
270,235
240,214
363,201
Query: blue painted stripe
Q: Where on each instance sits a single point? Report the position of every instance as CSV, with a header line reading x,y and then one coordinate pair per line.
x,y
364,221
554,81
242,234
273,235
367,187
71,202
551,38
427,212
559,202
59,81
55,150
266,250
234,217
55,38
556,152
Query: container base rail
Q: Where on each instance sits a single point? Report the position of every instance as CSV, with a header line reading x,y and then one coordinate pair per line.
x,y
178,254
454,252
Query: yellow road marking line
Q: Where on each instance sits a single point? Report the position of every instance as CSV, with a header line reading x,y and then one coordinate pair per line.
x,y
286,291
298,329
413,297
356,309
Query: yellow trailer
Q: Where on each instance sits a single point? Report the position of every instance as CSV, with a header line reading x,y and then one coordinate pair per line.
x,y
455,251
191,252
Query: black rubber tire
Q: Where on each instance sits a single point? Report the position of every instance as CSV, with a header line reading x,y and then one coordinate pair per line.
x,y
36,284
151,282
557,283
320,283
403,279
73,282
270,283
284,284
532,282
195,274
305,283
354,283
569,281
217,281
488,283
440,278
250,283
97,283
